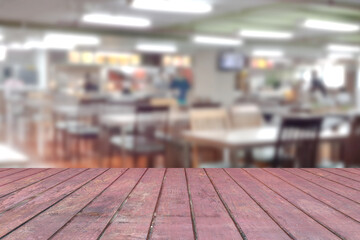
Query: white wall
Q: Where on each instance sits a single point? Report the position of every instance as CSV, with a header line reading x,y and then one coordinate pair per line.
x,y
211,83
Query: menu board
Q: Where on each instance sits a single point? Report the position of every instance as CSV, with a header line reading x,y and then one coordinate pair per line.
x,y
104,58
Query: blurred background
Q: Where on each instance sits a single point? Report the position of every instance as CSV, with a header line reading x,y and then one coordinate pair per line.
x,y
179,83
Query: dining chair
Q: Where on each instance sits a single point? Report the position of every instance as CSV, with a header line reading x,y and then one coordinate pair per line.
x,y
297,144
147,139
83,126
245,116
207,119
352,144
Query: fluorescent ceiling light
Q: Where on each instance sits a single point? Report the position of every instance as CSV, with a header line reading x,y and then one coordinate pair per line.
x,y
267,53
265,34
16,46
112,20
343,48
340,56
3,52
68,39
37,44
331,26
178,6
160,48
217,41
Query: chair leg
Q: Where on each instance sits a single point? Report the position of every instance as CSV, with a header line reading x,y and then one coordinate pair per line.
x,y
195,157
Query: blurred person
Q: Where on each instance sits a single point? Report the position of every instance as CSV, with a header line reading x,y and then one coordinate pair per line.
x,y
181,86
90,86
317,85
13,86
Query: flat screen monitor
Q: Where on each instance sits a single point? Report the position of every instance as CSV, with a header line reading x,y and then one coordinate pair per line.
x,y
231,61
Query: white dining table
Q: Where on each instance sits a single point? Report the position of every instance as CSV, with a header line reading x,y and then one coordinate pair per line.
x,y
253,137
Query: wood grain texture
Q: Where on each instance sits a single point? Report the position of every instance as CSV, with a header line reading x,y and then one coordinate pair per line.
x,y
34,190
258,204
134,218
335,221
346,174
90,222
173,216
252,219
25,182
211,218
296,222
347,192
334,200
58,215
17,216
336,178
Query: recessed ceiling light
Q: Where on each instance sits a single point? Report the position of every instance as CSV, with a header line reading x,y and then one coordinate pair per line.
x,y
158,48
343,48
267,53
331,26
265,34
116,20
38,44
217,41
178,6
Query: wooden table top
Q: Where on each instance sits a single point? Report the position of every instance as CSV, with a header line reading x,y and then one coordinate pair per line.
x,y
180,204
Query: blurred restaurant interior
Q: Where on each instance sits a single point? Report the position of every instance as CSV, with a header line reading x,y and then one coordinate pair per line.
x,y
179,83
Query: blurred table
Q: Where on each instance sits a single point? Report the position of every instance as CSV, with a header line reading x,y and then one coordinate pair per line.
x,y
253,137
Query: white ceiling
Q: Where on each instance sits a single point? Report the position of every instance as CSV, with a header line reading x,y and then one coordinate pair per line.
x,y
69,12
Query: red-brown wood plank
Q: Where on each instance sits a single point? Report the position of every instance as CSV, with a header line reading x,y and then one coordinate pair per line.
x,y
349,193
25,182
4,169
20,175
134,218
344,173
12,171
32,191
15,217
252,219
212,220
336,178
352,170
296,222
90,222
332,199
58,215
173,216
335,221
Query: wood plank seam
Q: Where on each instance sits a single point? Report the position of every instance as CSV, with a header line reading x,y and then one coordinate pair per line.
x,y
4,169
277,223
243,235
25,169
356,180
156,207
311,195
191,206
25,177
121,205
53,204
68,222
37,195
32,183
328,228
347,170
323,186
330,180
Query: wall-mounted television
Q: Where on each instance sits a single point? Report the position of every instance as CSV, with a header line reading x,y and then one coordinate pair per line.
x,y
231,61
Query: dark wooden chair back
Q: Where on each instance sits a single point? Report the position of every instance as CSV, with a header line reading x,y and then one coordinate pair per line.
x,y
297,142
352,144
151,123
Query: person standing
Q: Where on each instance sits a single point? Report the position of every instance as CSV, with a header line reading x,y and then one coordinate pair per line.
x,y
181,86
